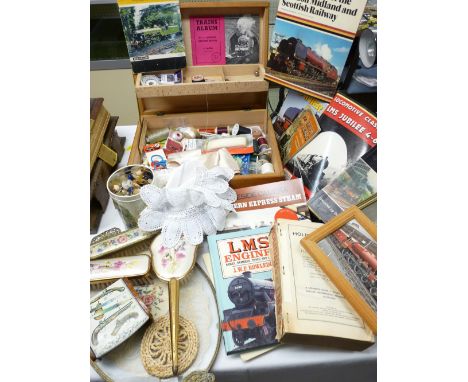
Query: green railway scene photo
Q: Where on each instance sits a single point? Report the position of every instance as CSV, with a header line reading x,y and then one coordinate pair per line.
x,y
153,29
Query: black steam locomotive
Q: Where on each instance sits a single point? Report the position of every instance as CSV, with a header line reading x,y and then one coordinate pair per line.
x,y
294,58
254,312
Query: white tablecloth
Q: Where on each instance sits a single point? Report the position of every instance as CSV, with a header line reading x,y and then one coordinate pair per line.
x,y
291,363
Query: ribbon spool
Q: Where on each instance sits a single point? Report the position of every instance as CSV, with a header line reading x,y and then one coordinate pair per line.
x,y
189,132
262,143
158,136
238,129
198,78
149,80
266,168
263,158
256,147
222,130
176,136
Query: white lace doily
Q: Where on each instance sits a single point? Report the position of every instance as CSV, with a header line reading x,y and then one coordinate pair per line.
x,y
194,202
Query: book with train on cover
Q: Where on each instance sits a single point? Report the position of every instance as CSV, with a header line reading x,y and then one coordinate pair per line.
x,y
259,206
242,273
307,302
292,106
153,33
348,131
311,42
356,184
304,128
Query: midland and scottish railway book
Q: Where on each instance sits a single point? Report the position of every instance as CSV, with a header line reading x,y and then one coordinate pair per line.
x,y
311,42
356,184
153,33
307,302
245,293
292,106
348,131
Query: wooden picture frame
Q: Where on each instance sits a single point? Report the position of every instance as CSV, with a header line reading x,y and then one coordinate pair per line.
x,y
310,244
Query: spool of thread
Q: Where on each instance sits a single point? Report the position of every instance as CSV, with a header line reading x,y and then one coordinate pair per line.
x,y
149,80
238,129
221,130
256,147
262,143
266,168
208,130
263,158
176,136
256,132
198,78
158,136
189,132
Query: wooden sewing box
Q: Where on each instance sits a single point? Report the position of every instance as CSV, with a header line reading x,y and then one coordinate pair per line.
x,y
235,93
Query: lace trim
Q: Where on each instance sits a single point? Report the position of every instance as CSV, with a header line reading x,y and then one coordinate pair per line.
x,y
192,209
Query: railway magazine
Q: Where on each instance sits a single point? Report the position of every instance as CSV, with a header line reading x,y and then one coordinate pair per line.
x,y
304,128
348,131
259,206
356,184
292,106
311,42
153,33
307,302
242,273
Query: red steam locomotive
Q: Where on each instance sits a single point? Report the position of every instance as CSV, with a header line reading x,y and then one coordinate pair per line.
x,y
367,258
294,58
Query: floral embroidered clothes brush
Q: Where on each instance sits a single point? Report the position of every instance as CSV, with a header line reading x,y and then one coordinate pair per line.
x,y
194,201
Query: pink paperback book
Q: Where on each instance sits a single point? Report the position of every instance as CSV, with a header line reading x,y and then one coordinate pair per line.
x,y
208,45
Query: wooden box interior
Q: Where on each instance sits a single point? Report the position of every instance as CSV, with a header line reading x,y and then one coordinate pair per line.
x,y
219,79
202,119
232,93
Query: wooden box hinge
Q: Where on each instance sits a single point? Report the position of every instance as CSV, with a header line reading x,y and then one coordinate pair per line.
x,y
107,155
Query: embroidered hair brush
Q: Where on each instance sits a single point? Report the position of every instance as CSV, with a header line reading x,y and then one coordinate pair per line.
x,y
115,254
173,265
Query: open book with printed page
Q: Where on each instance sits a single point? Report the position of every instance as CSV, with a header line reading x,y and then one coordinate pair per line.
x,y
307,303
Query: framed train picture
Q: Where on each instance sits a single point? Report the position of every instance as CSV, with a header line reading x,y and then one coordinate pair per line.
x,y
242,272
153,33
346,250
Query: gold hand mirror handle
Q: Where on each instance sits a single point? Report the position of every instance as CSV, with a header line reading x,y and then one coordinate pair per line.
x,y
173,265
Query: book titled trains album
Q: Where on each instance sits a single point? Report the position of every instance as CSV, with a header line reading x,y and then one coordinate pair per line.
x,y
307,302
242,273
225,40
207,37
153,33
311,42
348,131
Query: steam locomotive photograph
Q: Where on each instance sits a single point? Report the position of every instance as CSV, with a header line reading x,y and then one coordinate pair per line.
x,y
152,29
252,320
307,57
356,253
